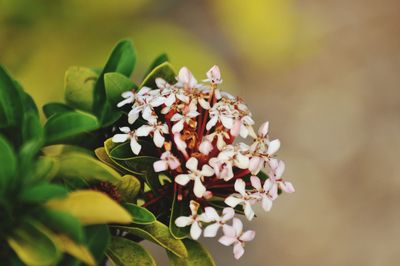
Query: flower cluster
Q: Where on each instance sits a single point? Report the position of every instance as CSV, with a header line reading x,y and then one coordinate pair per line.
x,y
194,126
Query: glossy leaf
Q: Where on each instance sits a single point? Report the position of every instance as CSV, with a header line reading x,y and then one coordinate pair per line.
x,y
34,245
97,239
124,252
50,109
91,207
62,126
165,71
158,61
116,84
10,101
79,85
128,188
140,215
197,255
79,165
179,208
8,163
159,234
42,192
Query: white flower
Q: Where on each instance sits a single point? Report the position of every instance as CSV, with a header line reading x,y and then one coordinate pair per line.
x,y
146,101
185,79
129,97
194,220
228,158
170,93
180,144
275,180
262,140
158,131
214,75
221,135
234,235
196,175
168,161
212,229
263,192
243,198
220,113
188,114
243,126
128,134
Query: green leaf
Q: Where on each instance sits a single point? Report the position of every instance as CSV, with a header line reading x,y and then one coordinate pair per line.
x,y
102,155
79,86
42,193
10,101
45,168
121,60
179,208
128,188
159,234
197,255
140,215
78,251
62,126
116,84
158,61
263,176
50,109
97,239
165,71
124,252
34,245
62,222
8,163
80,165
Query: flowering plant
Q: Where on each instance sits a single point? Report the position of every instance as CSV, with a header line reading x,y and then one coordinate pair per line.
x,y
168,153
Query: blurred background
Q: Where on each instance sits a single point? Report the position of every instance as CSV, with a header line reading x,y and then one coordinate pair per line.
x,y
324,73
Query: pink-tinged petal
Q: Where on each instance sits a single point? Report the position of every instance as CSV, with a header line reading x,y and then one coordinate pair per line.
x,y
176,117
203,103
170,100
266,203
238,226
158,139
180,144
124,102
248,236
211,230
232,201
182,179
228,214
177,127
238,250
280,169
164,128
205,147
263,130
287,187
186,77
207,170
211,123
248,211
161,83
133,115
147,113
208,195
135,146
144,90
182,97
173,162
227,122
125,129
235,130
192,163
198,187
242,161
229,230
273,164
220,142
227,172
195,230
183,221
156,102
273,146
211,214
120,138
144,130
127,94
273,192
214,75
267,185
226,240
192,114
256,164
160,166
255,182
244,131
240,186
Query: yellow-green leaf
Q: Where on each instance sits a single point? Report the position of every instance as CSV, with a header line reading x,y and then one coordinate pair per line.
x,y
159,234
197,255
92,207
124,252
34,245
78,251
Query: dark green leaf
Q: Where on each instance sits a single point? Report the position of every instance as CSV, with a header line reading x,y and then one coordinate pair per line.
x,y
128,188
140,215
124,252
10,101
8,163
197,255
158,61
62,222
97,239
116,84
50,109
42,193
179,208
165,71
62,126
159,234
